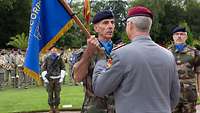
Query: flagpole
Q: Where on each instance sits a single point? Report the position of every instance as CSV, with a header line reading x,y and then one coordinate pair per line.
x,y
76,19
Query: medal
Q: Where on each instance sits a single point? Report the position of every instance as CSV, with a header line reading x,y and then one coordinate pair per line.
x,y
109,63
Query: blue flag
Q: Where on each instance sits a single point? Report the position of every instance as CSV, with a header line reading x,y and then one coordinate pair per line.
x,y
49,20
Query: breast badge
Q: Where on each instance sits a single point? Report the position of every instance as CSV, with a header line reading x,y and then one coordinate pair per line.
x,y
109,63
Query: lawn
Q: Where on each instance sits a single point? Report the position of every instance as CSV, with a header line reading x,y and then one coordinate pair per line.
x,y
35,99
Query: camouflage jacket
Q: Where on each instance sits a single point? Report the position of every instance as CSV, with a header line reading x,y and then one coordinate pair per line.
x,y
92,103
188,62
188,65
55,69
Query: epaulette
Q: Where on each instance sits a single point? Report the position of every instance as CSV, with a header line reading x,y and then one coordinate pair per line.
x,y
118,46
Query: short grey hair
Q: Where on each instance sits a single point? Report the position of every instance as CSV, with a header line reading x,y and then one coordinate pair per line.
x,y
142,23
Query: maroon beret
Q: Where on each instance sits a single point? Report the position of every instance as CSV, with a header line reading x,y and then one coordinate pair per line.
x,y
140,11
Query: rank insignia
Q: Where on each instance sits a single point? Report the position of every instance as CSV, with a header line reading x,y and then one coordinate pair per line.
x,y
109,63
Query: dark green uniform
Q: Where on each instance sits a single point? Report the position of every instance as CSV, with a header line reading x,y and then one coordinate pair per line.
x,y
92,103
53,76
188,66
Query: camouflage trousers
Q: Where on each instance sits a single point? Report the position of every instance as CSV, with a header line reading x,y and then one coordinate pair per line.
x,y
188,98
185,108
93,104
53,89
1,80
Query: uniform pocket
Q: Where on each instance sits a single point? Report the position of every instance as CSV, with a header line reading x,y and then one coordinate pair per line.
x,y
190,93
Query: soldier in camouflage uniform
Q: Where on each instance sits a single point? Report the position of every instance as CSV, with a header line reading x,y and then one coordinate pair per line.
x,y
53,75
86,59
2,70
187,59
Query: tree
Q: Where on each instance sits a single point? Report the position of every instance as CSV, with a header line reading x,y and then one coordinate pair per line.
x,y
193,17
19,41
14,18
174,15
7,4
167,14
15,14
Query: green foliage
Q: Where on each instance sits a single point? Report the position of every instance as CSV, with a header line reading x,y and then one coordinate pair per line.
x,y
166,15
19,41
193,17
7,4
14,19
196,43
171,13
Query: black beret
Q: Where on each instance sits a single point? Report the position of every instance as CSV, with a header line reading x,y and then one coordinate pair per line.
x,y
178,29
53,46
106,14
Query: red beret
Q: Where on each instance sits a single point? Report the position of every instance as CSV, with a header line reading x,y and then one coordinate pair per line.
x,y
139,11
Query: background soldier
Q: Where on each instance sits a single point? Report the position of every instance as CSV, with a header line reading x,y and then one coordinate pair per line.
x,y
22,78
53,75
188,69
10,62
104,25
2,70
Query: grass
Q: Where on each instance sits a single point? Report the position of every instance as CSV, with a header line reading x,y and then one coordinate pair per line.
x,y
35,99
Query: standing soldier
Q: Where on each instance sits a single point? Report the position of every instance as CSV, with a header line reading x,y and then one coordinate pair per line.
x,y
1,70
21,76
6,60
13,67
53,75
104,25
188,70
10,62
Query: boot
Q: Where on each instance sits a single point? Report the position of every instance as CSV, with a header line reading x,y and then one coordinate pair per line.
x,y
56,109
51,109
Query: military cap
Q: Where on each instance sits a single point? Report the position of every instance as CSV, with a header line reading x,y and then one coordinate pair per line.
x,y
139,11
53,46
178,29
105,14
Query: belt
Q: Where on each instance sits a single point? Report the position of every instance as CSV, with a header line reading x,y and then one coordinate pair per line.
x,y
54,77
